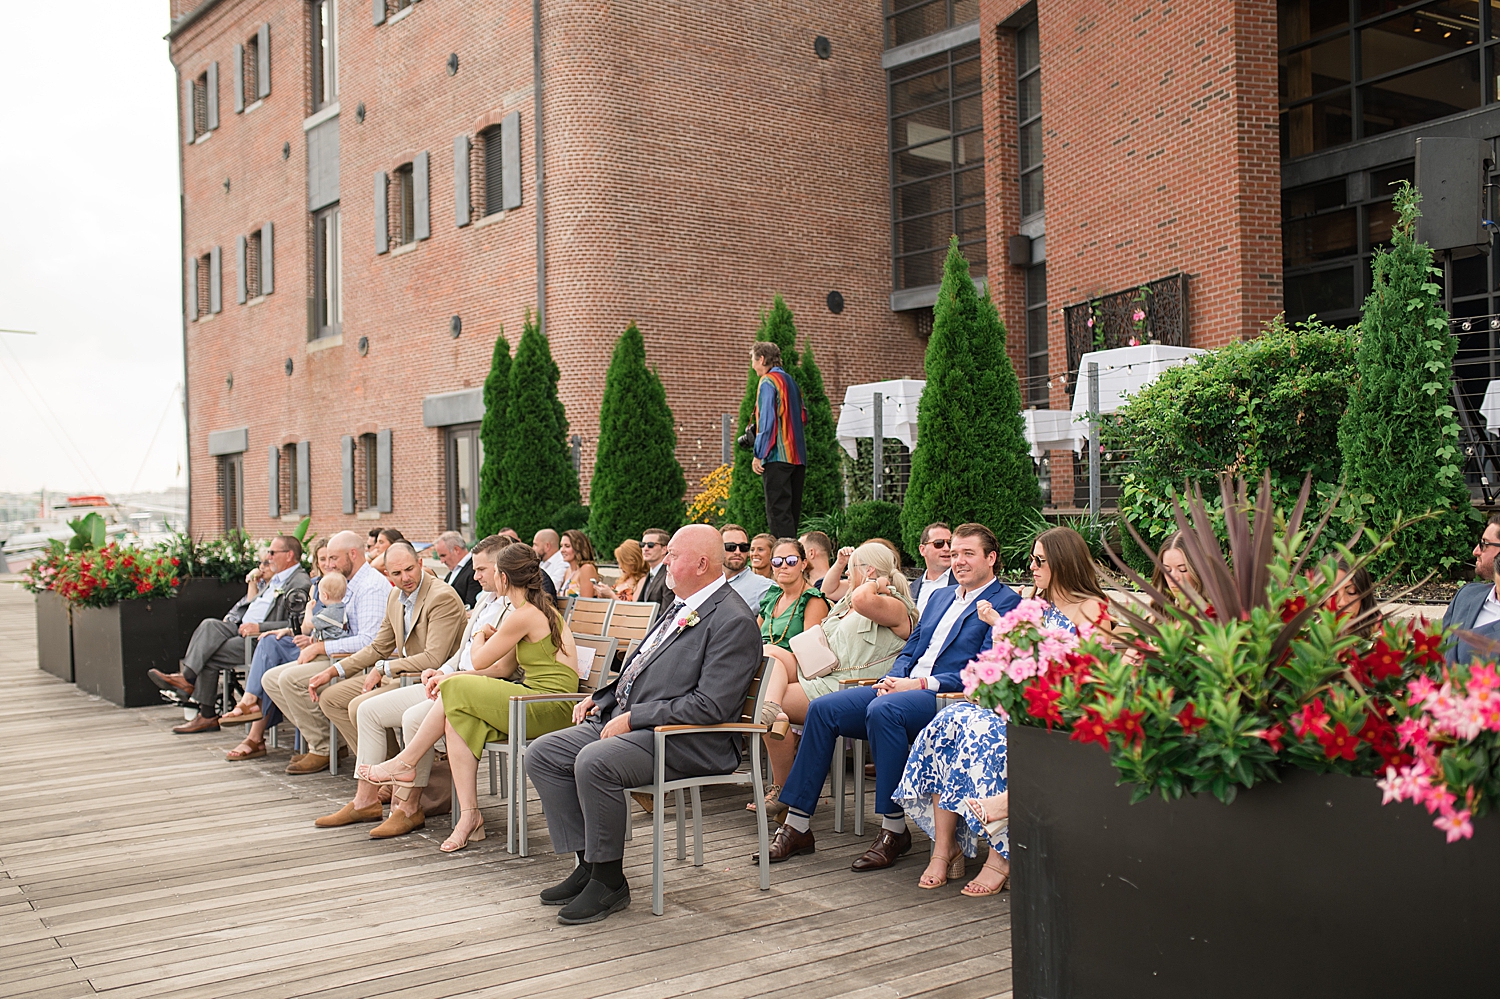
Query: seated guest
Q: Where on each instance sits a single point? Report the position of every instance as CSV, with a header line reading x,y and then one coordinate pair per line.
x,y
961,755
892,712
1354,600
405,708
819,548
577,553
1173,573
933,548
290,686
370,543
865,631
331,619
791,606
385,537
548,547
218,645
632,572
473,707
654,550
510,532
1476,607
742,579
452,550
692,669
760,554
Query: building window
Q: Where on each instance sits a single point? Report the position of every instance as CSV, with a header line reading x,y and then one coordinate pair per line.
x,y
325,54
288,478
252,265
909,20
465,456
1390,66
250,72
367,476
328,284
205,279
490,163
403,208
1029,114
937,165
231,475
200,105
1036,336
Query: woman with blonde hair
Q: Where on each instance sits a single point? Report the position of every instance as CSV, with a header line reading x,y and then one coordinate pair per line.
x,y
864,632
632,563
1172,572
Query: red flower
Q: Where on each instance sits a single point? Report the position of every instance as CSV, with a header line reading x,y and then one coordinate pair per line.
x,y
1128,724
1189,719
1427,646
1382,661
1292,608
1210,613
1312,717
175,562
1273,736
176,581
1092,728
1041,701
1339,742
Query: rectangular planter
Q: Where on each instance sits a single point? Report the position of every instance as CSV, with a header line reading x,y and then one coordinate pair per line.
x,y
1307,887
54,635
114,646
202,597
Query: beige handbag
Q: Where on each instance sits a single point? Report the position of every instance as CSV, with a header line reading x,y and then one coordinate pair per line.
x,y
814,657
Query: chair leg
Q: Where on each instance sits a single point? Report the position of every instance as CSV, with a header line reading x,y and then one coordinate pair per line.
x,y
761,831
657,875
454,811
271,739
494,774
629,818
333,749
296,740
859,787
697,827
836,776
681,826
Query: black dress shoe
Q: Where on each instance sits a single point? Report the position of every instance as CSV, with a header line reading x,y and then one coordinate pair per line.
x,y
787,842
884,851
570,888
594,903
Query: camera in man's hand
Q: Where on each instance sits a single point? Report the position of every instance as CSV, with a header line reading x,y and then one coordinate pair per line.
x,y
747,439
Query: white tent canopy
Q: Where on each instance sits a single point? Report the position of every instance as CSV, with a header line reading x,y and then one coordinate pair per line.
x,y
898,412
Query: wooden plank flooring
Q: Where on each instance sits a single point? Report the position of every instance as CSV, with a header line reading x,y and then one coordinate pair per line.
x,y
136,863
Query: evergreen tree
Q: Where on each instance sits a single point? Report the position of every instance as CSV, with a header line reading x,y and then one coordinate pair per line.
x,y
487,519
972,462
638,482
536,468
747,497
1399,438
823,492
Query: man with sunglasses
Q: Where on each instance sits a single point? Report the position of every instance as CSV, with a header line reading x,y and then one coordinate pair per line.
x,y
655,589
737,572
1476,607
937,554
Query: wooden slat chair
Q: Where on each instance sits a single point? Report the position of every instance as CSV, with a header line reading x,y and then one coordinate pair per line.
x,y
591,615
749,725
631,620
515,746
333,730
568,609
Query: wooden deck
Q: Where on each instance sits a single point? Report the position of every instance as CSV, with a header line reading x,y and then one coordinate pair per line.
x,y
137,863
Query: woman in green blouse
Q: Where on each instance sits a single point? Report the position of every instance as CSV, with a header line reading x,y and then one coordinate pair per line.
x,y
792,604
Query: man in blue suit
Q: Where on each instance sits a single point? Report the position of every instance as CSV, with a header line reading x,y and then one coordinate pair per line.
x,y
1476,607
892,712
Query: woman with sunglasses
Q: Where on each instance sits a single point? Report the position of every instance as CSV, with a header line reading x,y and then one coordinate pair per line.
x,y
792,604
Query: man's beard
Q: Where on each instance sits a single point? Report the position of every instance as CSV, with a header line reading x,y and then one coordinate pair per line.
x,y
734,569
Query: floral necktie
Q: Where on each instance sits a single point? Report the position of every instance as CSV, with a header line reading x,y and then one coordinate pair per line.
x,y
653,641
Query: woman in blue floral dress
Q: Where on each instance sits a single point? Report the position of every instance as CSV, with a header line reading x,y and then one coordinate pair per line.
x,y
954,786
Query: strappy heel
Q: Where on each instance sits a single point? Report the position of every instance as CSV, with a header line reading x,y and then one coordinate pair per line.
x,y
776,721
453,845
386,773
953,870
993,828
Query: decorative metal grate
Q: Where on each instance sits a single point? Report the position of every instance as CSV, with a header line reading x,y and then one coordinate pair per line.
x,y
1163,309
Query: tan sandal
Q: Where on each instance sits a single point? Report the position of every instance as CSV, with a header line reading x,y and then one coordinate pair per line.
x,y
453,844
255,748
775,809
386,773
952,868
976,890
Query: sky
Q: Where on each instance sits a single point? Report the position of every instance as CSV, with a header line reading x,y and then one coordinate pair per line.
x,y
89,260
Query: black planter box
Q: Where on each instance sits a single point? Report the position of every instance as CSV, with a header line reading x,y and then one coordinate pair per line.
x,y
114,646
1308,887
54,635
201,597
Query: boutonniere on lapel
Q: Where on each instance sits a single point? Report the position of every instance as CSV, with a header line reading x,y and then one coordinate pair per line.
x,y
687,620
277,591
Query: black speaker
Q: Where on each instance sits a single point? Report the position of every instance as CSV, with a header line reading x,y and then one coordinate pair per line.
x,y
1450,177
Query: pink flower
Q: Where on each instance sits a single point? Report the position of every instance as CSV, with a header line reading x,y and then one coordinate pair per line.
x,y
1455,824
1091,322
1138,315
987,671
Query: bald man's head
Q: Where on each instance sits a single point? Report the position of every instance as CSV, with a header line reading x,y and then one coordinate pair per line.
x,y
402,566
346,552
695,558
546,542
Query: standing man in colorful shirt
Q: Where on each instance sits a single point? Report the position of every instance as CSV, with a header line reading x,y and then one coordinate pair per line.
x,y
780,453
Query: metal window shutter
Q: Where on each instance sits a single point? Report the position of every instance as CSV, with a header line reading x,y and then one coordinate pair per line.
x,y
422,216
510,153
213,96
304,485
239,78
267,261
461,181
346,470
215,274
382,234
192,290
187,113
379,13
383,471
240,282
273,480
263,61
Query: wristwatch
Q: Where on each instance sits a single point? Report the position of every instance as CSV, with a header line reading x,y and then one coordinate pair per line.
x,y
385,667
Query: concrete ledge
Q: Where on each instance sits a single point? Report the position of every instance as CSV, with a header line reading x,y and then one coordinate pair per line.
x,y
448,409
233,441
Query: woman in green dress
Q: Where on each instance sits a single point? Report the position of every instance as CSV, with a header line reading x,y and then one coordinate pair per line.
x,y
792,604
473,708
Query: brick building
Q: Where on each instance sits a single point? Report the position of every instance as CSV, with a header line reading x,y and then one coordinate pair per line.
x,y
360,191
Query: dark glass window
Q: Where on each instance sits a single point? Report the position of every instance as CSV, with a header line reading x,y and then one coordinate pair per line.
x,y
328,281
367,473
1393,66
1036,336
325,55
232,491
494,192
1029,114
909,20
937,162
404,211
465,455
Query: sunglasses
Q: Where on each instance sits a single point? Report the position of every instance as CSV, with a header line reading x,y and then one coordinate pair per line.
x,y
792,561
1038,560
733,546
650,544
939,542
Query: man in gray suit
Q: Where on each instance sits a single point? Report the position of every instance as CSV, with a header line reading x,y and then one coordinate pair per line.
x,y
1476,607
693,668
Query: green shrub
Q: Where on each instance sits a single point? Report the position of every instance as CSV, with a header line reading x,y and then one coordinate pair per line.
x,y
574,517
536,466
823,490
487,518
872,519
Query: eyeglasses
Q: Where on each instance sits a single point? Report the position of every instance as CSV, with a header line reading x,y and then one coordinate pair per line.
x,y
650,544
736,546
939,542
791,561
1038,560
1488,544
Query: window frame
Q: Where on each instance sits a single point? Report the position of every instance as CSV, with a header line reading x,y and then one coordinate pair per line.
x,y
325,51
200,106
250,71
328,302
286,478
1037,374
367,472
1023,171
493,170
466,437
954,12
231,491
402,213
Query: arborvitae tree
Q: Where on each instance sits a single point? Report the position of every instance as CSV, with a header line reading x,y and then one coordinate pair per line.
x,y
747,497
824,489
536,468
1398,437
972,462
487,519
638,483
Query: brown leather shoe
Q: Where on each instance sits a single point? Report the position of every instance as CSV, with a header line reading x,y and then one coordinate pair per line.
x,y
348,815
884,851
399,824
199,724
170,681
869,771
787,842
310,763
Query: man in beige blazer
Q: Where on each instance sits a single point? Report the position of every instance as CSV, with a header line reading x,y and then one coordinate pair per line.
x,y
423,626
